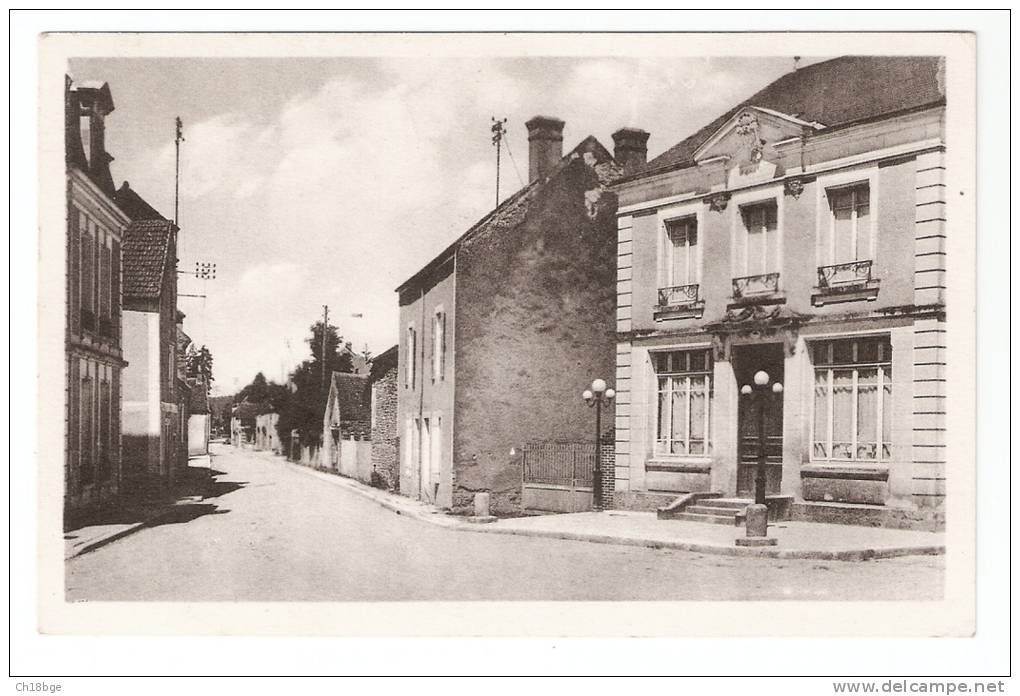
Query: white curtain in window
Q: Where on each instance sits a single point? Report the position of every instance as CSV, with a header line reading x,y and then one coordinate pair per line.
x,y
821,446
842,413
867,413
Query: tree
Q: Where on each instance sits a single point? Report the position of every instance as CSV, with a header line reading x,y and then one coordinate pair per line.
x,y
336,360
306,401
199,365
256,393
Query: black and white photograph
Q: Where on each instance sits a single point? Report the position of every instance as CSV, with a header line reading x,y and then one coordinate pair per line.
x,y
674,328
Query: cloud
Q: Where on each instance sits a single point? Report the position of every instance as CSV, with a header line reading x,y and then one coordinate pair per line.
x,y
340,189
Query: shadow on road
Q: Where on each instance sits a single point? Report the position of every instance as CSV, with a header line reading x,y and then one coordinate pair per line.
x,y
187,501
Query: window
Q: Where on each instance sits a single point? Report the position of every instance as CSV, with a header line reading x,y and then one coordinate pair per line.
x,y
853,399
105,439
87,265
761,243
439,345
105,305
680,260
86,431
850,229
683,404
410,352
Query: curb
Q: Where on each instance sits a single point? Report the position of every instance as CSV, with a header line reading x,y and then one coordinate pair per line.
x,y
437,519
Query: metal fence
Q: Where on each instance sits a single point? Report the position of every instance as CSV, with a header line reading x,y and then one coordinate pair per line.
x,y
559,464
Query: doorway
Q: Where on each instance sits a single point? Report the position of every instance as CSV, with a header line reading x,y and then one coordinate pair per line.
x,y
425,461
747,361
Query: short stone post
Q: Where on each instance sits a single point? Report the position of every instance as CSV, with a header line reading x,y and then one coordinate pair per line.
x,y
757,527
482,514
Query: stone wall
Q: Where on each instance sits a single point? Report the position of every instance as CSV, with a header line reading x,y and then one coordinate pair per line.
x,y
536,308
385,433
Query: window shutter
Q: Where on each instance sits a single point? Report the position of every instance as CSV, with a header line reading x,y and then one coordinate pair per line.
x,y
442,354
74,270
115,299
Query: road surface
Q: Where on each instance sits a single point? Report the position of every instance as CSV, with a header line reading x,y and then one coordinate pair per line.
x,y
270,532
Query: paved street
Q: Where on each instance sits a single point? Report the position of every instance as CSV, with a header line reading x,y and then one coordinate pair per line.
x,y
269,532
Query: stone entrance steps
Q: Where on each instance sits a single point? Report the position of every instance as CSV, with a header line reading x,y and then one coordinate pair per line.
x,y
727,511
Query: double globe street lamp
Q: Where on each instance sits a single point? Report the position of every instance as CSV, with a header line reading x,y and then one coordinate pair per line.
x,y
757,514
597,396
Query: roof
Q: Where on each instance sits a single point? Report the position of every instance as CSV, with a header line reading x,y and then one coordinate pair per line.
x,y
511,211
245,410
133,205
834,93
383,362
145,253
352,399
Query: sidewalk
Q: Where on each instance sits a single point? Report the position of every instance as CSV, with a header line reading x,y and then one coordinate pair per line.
x,y
804,540
109,525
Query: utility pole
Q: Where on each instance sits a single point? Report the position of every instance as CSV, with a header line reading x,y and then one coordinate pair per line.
x,y
178,138
325,323
498,131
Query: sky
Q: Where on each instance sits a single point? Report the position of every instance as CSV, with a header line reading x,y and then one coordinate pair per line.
x,y
312,182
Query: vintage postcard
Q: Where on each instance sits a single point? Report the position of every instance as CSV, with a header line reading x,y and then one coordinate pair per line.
x,y
515,334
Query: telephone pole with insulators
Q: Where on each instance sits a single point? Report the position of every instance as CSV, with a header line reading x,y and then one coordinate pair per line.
x,y
498,131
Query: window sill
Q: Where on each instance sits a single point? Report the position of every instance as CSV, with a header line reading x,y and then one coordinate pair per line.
x,y
847,470
763,298
689,310
849,292
684,465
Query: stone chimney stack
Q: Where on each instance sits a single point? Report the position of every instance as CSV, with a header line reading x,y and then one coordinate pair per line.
x,y
545,145
630,148
95,103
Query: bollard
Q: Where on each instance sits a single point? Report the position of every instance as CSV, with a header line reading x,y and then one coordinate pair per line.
x,y
757,527
481,504
482,514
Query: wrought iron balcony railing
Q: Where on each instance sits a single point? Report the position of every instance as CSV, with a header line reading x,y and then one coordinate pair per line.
x,y
678,295
855,272
761,284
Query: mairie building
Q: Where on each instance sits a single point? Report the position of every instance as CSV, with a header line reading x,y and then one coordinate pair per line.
x,y
801,234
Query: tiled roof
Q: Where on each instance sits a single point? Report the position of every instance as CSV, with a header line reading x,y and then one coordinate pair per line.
x,y
833,93
352,398
511,211
146,247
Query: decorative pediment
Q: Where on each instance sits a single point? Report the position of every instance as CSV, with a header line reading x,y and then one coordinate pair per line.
x,y
746,143
755,324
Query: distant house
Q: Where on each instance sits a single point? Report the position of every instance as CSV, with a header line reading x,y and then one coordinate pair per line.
x,y
93,346
267,437
153,431
347,416
503,330
242,423
199,417
382,379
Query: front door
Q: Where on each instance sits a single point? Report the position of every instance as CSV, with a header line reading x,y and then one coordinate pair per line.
x,y
425,464
747,361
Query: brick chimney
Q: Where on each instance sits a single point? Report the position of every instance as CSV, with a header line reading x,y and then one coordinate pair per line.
x,y
630,148
545,145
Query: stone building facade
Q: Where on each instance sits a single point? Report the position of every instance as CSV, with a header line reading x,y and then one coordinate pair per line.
x,y
802,234
385,433
93,328
502,331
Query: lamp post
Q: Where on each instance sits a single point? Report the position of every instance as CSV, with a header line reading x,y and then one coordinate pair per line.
x,y
757,514
595,396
